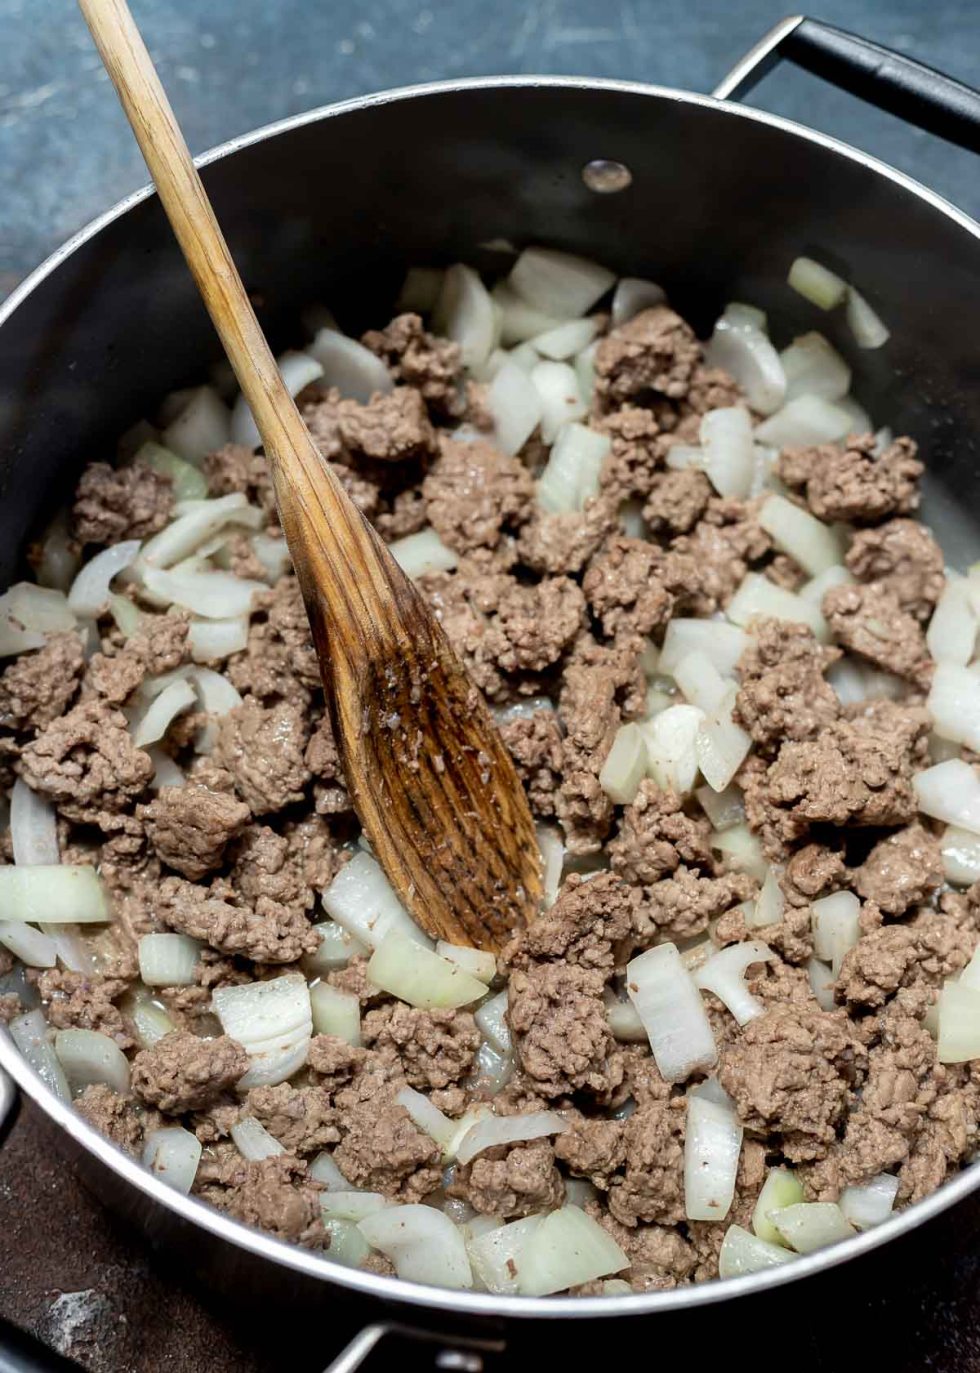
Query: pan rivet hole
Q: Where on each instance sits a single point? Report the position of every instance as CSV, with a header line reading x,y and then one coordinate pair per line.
x,y
606,177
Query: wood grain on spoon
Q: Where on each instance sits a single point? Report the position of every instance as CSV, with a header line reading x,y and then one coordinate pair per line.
x,y
432,783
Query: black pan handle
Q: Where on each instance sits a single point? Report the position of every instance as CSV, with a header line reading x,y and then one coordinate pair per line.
x,y
896,83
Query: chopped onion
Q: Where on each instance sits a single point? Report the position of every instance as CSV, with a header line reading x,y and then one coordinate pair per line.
x,y
728,449
272,1021
954,704
28,613
519,321
352,1205
724,809
815,589
781,1188
33,948
464,313
476,962
814,545
33,827
421,1242
336,949
273,553
771,901
722,745
336,1013
625,765
757,596
668,1002
561,401
737,313
571,474
297,371
559,284
816,283
724,974
126,615
835,926
868,330
494,1130
810,1225
624,1021
168,960
513,401
672,756
950,791
202,425
860,420
361,899
213,595
188,482
871,1203
742,850
961,856
814,367
166,773
806,420
347,1245
700,681
353,369
748,356
854,682
958,1013
685,457
491,1021
565,340
253,1141
196,522
150,1020
633,294
154,722
172,1154
822,982
428,1117
212,640
324,1171
420,289
721,643
712,1145
60,556
524,355
65,893
31,1035
497,1254
74,952
567,1249
417,554
89,594
742,1252
404,969
88,1057
952,633
492,1070
552,848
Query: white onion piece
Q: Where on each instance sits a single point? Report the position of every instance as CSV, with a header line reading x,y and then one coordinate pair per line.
x,y
297,371
476,962
493,1130
633,294
520,321
952,633
497,1254
422,1243
552,847
571,475
491,1021
362,900
166,773
212,640
66,893
60,557
668,1002
742,1252
513,401
336,948
168,960
624,1021
806,420
860,420
561,401
353,369
748,356
33,948
336,1013
961,856
811,1225
428,1117
816,283
871,1203
88,1057
196,522
464,313
685,457
150,1020
724,975
74,952
700,681
625,765
324,1171
813,367
216,697
213,595
854,681
272,1021
671,739
565,340
126,615
28,613
420,289
404,969
492,1070
781,1188
744,316
724,809
757,596
712,1145
89,594
525,356
188,482
33,827
417,554
835,926
567,1249
816,588
273,553
352,1205
14,638
868,329
557,283
721,745
729,451
950,791
954,704
202,426
958,1017
162,711
814,545
721,643
347,1245
31,1035
173,1154
253,1141
742,850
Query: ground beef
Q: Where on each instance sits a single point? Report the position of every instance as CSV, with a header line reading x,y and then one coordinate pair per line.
x,y
854,483
783,694
637,451
263,750
300,1118
433,1048
592,1147
383,1150
814,870
682,905
589,711
280,661
660,1256
189,827
927,950
901,870
624,590
532,625
870,621
510,1181
117,1117
433,366
902,557
273,1195
236,468
183,1073
562,1039
390,428
676,501
655,837
159,645
38,687
112,504
564,542
654,352
535,744
86,762
268,933
651,1187
85,1001
587,921
473,494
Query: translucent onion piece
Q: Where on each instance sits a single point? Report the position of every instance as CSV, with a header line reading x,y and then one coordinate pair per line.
x,y
771,901
213,595
59,558
336,948
672,748
515,405
197,522
633,294
814,545
571,474
491,1021
168,960
253,1141
33,948
742,1252
869,331
668,1002
729,452
685,457
748,356
722,745
172,1154
758,596
781,1188
74,952
428,1117
89,594
66,893
724,975
742,850
712,1145
813,367
724,809
420,289
202,425
871,1203
822,981
561,400
33,827
324,1171
88,1056
473,961
31,1035
272,1021
497,1254
952,633
559,284
361,899
188,482
28,613
568,1248
493,1130
404,969
336,1013
353,369
213,640
737,313
150,1020
816,283
166,773
273,553
700,681
958,1013
563,341
519,321
297,371
552,847
624,1021
422,1243
347,1245
835,926
126,615
352,1205
811,1225
815,589
950,791
806,420
721,643
423,552
217,697
625,765
954,704
961,856
464,313
162,711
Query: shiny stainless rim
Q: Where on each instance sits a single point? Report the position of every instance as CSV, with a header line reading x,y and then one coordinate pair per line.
x,y
306,1262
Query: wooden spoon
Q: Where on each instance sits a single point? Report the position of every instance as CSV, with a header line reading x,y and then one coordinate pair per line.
x,y
432,783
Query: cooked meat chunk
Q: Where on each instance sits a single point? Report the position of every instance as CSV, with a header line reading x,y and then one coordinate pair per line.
x,y
38,687
637,451
433,366
592,1148
263,750
901,870
268,933
236,468
274,1195
535,745
383,1150
157,646
682,905
85,1001
654,352
564,542
783,694
587,921
904,558
189,827
870,621
652,1185
112,504
183,1073
86,762
390,428
510,1182
117,1117
624,590
562,1039
473,494
927,950
854,483
655,837
676,501
300,1118
433,1048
